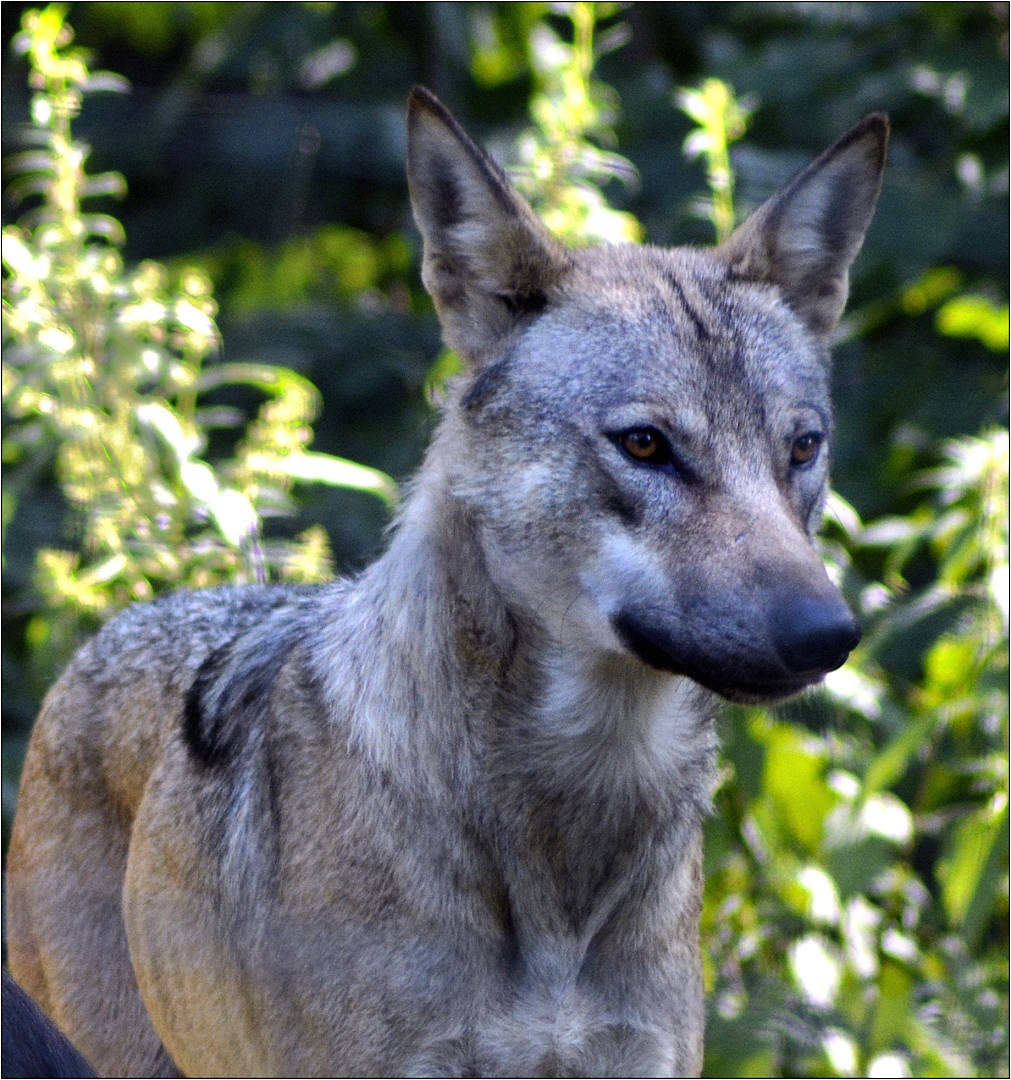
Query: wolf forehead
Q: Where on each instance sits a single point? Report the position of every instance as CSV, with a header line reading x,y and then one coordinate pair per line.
x,y
672,327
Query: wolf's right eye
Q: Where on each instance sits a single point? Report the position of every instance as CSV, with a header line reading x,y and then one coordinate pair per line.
x,y
646,445
805,448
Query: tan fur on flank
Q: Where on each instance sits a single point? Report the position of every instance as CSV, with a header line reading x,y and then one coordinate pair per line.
x,y
445,819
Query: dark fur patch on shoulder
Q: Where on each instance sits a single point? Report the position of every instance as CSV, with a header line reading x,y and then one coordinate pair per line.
x,y
197,724
231,693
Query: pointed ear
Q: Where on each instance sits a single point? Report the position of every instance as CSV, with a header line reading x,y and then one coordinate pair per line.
x,y
489,263
805,238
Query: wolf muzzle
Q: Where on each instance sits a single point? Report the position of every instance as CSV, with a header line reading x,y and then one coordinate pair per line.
x,y
765,649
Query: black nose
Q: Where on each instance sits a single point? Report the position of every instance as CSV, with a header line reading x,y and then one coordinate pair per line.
x,y
813,634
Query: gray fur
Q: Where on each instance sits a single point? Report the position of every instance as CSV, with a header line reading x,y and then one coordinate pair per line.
x,y
444,819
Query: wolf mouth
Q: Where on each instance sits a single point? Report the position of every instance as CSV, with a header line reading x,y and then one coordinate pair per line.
x,y
739,682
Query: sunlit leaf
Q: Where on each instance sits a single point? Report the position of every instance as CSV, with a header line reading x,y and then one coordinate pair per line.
x,y
892,1013
326,469
975,317
964,871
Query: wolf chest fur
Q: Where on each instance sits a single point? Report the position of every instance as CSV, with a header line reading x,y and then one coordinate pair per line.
x,y
444,819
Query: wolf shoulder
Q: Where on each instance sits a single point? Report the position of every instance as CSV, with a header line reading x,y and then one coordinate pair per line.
x,y
129,689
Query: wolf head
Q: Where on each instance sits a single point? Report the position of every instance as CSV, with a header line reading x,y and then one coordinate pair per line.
x,y
642,435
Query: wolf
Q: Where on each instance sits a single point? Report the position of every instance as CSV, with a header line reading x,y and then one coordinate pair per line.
x,y
444,819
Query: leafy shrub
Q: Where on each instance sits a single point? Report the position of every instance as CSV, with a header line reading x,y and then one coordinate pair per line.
x,y
104,371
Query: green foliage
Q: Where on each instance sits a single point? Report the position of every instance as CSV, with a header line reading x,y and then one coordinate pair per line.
x,y
152,26
976,317
334,261
561,169
826,919
499,40
103,372
721,120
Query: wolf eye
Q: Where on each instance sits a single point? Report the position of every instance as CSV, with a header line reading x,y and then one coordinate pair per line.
x,y
805,448
647,445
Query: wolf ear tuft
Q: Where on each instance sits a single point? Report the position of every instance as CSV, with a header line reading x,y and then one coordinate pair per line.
x,y
489,263
804,238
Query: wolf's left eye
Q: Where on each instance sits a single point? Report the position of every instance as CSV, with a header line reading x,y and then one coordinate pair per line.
x,y
646,445
805,448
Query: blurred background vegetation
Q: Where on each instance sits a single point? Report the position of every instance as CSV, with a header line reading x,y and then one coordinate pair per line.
x,y
856,917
